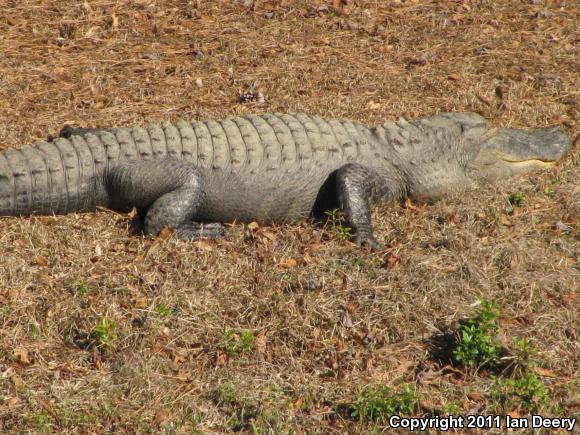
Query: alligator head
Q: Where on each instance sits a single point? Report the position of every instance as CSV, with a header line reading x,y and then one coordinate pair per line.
x,y
462,150
504,152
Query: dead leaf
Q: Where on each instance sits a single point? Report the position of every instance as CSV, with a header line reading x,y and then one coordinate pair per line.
x,y
346,320
483,99
454,77
545,372
420,60
17,381
260,344
114,21
505,221
392,260
268,235
11,401
307,259
562,227
253,226
21,353
140,303
405,365
177,358
160,417
476,397
409,205
287,263
203,246
499,92
41,261
221,358
165,233
352,307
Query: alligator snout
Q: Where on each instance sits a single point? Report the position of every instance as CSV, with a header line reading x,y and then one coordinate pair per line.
x,y
513,145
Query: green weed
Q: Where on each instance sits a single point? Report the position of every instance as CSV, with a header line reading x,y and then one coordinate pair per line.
x,y
34,329
526,392
164,311
5,311
82,289
524,357
226,394
453,408
237,340
477,344
377,406
516,199
334,220
104,333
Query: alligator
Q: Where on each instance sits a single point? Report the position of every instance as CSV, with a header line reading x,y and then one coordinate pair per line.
x,y
192,176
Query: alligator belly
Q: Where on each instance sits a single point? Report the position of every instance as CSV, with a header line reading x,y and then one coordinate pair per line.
x,y
264,199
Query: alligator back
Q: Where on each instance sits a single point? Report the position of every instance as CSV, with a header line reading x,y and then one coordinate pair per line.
x,y
257,160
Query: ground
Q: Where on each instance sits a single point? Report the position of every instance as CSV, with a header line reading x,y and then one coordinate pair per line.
x,y
291,328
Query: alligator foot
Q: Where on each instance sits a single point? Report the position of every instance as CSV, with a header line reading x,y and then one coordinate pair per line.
x,y
368,242
198,230
67,131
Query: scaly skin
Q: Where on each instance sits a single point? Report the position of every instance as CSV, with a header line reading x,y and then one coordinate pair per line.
x,y
271,167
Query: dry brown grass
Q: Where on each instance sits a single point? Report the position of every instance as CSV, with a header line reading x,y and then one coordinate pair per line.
x,y
327,319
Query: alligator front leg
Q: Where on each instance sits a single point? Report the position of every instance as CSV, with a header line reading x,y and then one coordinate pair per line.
x,y
168,192
354,185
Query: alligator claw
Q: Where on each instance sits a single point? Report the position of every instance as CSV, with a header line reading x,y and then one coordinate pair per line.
x,y
368,242
196,230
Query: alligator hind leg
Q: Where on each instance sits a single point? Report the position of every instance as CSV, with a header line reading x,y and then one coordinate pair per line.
x,y
168,192
354,185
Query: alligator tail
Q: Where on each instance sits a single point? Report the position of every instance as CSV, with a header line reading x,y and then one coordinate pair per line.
x,y
48,178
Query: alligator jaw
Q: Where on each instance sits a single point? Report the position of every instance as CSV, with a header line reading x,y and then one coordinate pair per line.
x,y
527,163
